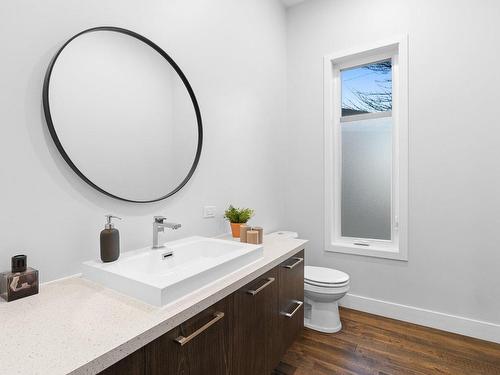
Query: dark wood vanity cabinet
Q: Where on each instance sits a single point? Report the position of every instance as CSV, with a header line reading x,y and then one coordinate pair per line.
x,y
246,333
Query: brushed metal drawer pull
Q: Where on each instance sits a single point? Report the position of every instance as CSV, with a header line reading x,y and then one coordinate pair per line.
x,y
299,305
181,340
298,261
269,281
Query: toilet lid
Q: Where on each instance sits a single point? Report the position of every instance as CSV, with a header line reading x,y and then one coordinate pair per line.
x,y
323,275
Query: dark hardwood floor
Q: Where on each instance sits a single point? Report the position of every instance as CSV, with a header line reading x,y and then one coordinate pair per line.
x,y
370,344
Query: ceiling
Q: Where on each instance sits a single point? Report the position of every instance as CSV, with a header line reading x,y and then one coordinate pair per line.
x,y
290,3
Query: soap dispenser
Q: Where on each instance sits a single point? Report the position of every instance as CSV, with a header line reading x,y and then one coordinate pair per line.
x,y
110,240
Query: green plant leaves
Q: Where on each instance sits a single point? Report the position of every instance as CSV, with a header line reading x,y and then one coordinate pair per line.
x,y
238,215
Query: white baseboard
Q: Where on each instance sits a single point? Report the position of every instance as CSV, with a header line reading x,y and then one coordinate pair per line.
x,y
446,322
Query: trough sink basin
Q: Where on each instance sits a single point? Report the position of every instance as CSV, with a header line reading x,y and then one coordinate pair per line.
x,y
161,276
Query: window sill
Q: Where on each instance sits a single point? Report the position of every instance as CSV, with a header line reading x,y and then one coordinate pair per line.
x,y
372,251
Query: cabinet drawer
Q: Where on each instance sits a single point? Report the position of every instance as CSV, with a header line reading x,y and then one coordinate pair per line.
x,y
291,273
291,299
201,345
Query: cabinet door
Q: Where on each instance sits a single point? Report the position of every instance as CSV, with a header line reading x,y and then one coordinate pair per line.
x,y
202,345
256,342
291,300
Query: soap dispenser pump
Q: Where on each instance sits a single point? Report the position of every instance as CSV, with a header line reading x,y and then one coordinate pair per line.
x,y
110,240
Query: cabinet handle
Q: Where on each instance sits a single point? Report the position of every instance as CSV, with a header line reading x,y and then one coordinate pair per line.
x,y
269,281
181,340
299,305
298,261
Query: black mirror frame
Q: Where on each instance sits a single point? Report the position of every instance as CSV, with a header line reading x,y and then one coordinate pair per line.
x,y
55,138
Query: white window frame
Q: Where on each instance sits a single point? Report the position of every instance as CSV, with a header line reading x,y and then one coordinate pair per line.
x,y
397,247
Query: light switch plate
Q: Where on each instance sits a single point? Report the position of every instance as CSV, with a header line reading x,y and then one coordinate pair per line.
x,y
209,211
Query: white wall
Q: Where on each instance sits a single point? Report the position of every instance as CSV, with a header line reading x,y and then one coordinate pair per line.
x,y
233,53
454,220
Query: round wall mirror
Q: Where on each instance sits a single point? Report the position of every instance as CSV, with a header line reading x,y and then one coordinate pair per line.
x,y
123,115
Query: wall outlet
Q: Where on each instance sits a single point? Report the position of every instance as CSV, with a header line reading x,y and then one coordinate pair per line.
x,y
209,211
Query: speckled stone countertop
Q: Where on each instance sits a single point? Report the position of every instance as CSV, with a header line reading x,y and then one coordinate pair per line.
x,y
74,326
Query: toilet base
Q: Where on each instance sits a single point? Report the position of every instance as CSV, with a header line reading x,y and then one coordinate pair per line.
x,y
322,329
322,316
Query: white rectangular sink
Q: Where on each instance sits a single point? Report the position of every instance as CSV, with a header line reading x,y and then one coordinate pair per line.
x,y
160,276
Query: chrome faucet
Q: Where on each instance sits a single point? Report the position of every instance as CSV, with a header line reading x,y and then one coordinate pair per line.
x,y
159,225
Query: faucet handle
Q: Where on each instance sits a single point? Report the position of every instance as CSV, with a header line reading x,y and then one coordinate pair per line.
x,y
159,219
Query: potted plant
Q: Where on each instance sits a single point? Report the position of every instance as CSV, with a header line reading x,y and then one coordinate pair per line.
x,y
236,217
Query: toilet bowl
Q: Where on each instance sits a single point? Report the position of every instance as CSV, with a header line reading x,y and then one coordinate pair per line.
x,y
323,287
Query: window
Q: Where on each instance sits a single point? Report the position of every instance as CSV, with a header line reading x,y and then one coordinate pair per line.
x,y
366,151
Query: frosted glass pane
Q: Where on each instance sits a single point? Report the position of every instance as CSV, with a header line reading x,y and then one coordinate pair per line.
x,y
366,178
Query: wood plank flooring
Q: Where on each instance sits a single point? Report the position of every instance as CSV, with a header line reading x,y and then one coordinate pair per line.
x,y
370,344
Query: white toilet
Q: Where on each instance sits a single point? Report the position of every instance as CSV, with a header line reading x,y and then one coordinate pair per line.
x,y
323,287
